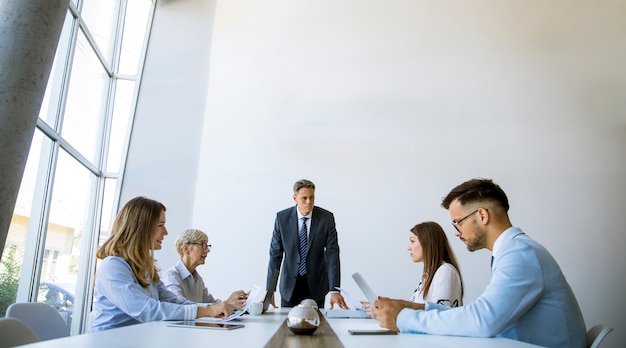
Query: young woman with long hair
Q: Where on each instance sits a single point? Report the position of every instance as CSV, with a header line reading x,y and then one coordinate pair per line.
x,y
441,280
128,289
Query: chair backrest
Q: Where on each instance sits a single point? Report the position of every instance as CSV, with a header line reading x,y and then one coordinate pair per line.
x,y
14,332
41,318
596,334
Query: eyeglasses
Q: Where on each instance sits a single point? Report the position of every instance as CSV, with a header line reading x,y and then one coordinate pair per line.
x,y
457,223
203,245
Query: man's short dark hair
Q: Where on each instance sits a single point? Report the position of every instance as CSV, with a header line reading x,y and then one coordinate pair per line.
x,y
304,183
477,190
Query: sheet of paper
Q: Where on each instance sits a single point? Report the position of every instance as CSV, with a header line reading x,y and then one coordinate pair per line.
x,y
254,292
356,304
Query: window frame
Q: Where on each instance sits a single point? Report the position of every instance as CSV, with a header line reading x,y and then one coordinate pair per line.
x,y
53,143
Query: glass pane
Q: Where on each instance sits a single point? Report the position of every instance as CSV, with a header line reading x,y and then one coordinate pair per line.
x,y
119,127
85,101
100,16
110,186
13,255
68,222
52,98
135,25
11,264
60,298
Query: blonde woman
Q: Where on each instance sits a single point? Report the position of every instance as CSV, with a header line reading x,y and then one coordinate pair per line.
x,y
183,280
128,289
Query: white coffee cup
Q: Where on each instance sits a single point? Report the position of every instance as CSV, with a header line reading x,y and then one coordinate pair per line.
x,y
256,308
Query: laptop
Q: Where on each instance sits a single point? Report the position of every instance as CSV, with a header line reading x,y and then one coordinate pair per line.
x,y
365,288
270,291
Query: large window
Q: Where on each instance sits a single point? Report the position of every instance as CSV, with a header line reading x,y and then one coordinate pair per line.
x,y
70,188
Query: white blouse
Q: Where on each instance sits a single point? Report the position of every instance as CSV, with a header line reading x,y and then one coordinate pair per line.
x,y
445,288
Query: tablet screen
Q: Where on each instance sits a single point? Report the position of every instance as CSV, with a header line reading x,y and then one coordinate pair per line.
x,y
205,325
372,332
369,293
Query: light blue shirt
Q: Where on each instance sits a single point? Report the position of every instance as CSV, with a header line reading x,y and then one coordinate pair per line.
x,y
181,282
120,300
528,299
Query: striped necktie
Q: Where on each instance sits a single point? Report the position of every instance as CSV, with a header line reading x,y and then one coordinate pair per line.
x,y
303,242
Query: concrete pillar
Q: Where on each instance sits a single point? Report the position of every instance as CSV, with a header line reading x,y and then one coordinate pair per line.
x,y
29,34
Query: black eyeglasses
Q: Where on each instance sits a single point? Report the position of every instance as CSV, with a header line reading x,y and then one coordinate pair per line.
x,y
204,245
457,223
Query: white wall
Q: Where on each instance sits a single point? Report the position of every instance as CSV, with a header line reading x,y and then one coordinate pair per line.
x,y
386,106
162,159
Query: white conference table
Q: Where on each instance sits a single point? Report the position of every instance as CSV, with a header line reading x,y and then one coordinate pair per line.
x,y
257,332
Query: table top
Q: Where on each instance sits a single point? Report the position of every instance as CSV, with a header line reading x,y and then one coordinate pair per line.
x,y
323,336
257,332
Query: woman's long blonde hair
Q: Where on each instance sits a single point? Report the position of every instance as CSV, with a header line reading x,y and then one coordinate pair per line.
x,y
132,238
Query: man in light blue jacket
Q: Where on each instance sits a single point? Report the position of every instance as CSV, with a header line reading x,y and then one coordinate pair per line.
x,y
527,299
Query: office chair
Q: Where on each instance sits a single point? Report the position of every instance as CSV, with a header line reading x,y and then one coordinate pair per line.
x,y
14,332
44,320
596,334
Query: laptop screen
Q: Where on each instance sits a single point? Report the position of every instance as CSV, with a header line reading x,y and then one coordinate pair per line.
x,y
270,291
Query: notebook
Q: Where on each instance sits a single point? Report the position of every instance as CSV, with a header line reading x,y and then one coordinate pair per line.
x,y
270,291
365,288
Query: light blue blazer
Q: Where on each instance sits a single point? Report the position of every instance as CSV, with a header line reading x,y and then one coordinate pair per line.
x,y
528,299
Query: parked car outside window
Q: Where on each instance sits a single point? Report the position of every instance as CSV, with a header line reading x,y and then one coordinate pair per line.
x,y
60,297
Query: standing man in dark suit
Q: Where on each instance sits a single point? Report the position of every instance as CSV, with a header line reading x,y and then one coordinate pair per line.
x,y
306,236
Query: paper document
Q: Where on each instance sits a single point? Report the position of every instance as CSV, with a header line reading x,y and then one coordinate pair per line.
x,y
358,312
254,292
356,304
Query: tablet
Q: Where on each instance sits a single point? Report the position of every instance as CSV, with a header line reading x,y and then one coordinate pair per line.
x,y
367,291
372,332
205,325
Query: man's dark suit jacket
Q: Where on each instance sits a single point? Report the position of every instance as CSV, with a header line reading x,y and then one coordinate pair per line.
x,y
323,271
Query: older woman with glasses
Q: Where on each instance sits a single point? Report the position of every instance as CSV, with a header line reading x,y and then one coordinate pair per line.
x,y
193,247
